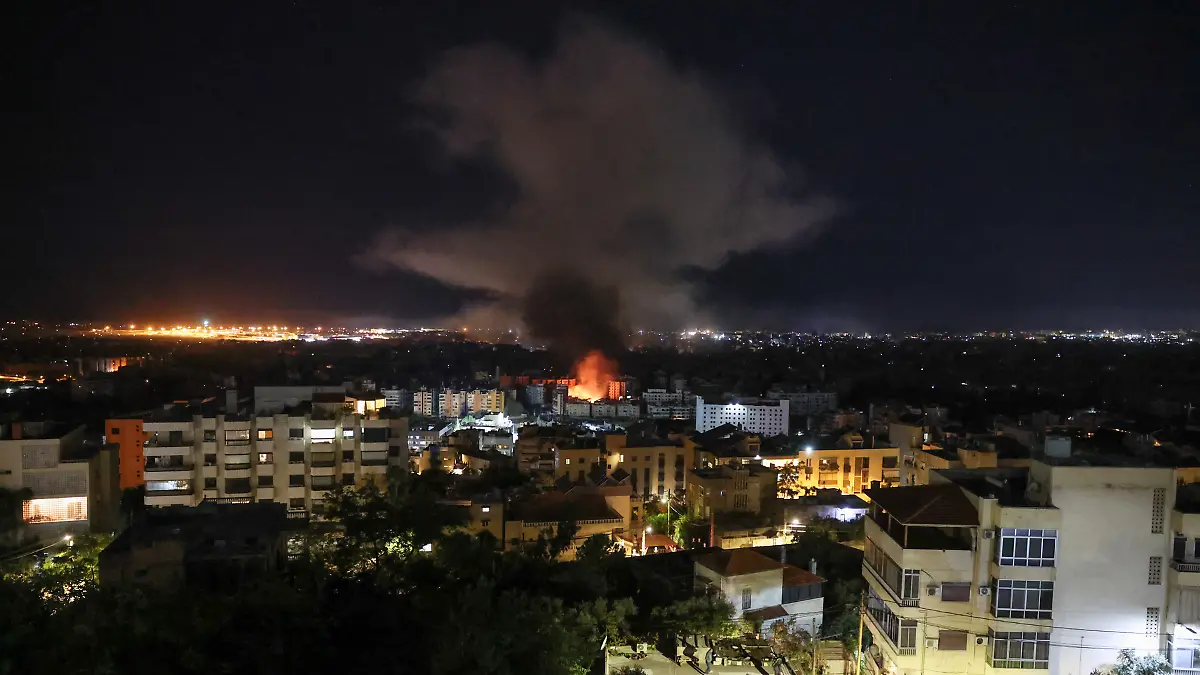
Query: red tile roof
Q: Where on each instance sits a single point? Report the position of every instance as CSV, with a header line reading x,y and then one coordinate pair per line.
x,y
738,561
766,613
926,505
794,576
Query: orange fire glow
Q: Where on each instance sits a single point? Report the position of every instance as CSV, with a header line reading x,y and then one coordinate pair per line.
x,y
592,375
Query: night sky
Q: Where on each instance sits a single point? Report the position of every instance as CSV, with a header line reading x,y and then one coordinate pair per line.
x,y
969,165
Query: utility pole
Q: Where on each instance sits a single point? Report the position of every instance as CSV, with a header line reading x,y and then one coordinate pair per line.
x,y
858,650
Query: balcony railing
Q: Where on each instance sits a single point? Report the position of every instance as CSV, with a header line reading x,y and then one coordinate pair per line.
x,y
151,468
1183,566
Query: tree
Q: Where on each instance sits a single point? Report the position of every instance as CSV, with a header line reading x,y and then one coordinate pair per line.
x,y
10,508
700,615
598,548
68,573
1129,663
793,643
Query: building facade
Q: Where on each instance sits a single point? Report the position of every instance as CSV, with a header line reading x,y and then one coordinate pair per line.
x,y
1056,567
765,418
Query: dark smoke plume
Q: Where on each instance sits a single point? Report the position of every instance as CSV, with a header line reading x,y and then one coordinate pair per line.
x,y
572,315
626,169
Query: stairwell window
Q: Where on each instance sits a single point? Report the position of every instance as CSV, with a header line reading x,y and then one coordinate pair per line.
x,y
747,598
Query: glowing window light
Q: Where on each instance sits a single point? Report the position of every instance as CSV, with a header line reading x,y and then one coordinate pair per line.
x,y
54,510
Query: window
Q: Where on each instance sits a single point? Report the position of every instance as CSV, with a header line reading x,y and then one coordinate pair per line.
x,y
952,640
116,431
296,480
567,461
266,481
54,509
266,458
323,435
908,634
890,462
1156,565
1185,652
1013,599
1157,510
485,523
295,458
237,437
956,592
1152,622
237,461
347,455
210,459
296,434
322,482
375,435
486,509
739,502
347,433
210,435
1027,548
347,479
237,486
747,598
210,483
296,503
1019,650
265,434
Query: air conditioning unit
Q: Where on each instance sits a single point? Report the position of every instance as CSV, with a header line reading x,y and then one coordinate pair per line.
x,y
981,640
931,589
931,643
984,590
988,534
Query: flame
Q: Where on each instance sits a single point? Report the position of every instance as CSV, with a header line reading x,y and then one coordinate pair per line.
x,y
592,374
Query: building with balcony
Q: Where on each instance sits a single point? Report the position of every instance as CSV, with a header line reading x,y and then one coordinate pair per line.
x,y
763,590
741,488
1055,567
72,487
850,470
191,455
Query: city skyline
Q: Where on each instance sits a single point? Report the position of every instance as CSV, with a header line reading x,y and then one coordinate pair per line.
x,y
996,167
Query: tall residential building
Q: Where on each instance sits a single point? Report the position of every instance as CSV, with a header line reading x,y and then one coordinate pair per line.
x,y
765,418
453,403
616,389
128,437
395,398
806,402
73,488
424,403
289,459
1056,567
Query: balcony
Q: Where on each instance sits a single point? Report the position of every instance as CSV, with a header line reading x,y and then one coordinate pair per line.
x,y
183,497
1185,566
169,471
1184,573
158,449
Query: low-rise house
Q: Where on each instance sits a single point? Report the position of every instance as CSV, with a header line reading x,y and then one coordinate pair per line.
x,y
763,590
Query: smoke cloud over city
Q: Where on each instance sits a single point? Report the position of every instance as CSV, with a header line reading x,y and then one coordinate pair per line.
x,y
627,170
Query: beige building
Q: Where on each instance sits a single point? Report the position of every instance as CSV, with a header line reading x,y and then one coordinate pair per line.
x,y
73,488
293,460
744,488
851,470
610,509
1055,567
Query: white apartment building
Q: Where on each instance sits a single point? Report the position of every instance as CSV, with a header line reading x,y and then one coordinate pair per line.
x,y
670,412
73,490
425,403
288,459
453,403
662,397
1056,567
395,398
765,418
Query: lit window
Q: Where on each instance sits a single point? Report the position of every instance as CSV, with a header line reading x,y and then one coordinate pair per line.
x,y
487,509
54,510
265,434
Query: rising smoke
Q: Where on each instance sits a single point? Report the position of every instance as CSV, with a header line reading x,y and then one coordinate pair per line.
x,y
627,171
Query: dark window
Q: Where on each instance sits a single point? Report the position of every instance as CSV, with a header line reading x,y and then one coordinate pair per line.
x,y
956,592
952,640
210,459
375,435
296,480
115,431
296,502
237,437
266,481
891,462
210,483
347,455
210,435
295,458
237,486
347,479
296,433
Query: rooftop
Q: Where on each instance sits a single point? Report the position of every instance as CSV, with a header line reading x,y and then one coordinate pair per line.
x,y
727,471
559,506
928,505
1002,484
199,527
738,561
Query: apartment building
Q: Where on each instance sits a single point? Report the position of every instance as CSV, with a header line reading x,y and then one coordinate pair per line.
x,y
395,398
454,403
128,438
745,488
851,470
1055,567
425,403
284,458
73,488
806,402
766,418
